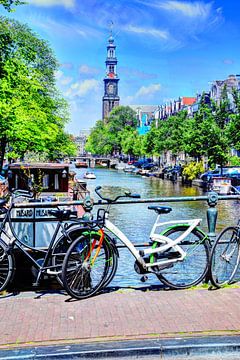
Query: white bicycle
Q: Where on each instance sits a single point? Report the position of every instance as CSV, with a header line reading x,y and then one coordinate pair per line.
x,y
178,255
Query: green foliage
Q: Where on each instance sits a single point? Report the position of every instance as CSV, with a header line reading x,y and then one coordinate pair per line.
x,y
7,4
32,112
206,135
234,161
116,135
34,183
192,170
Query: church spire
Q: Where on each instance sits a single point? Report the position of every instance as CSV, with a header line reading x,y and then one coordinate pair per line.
x,y
110,98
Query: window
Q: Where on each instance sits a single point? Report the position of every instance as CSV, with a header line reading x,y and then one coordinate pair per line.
x,y
56,182
45,181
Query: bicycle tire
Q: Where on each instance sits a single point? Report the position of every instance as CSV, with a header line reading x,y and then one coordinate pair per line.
x,y
81,278
7,266
60,249
193,268
62,245
224,258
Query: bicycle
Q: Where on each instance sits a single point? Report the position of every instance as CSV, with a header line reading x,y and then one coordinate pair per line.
x,y
225,256
46,261
178,255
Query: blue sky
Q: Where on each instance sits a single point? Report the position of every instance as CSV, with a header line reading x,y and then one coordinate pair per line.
x,y
165,48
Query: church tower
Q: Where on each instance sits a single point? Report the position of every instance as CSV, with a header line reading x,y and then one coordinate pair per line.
x,y
110,98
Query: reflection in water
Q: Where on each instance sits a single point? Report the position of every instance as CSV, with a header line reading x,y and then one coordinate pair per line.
x,y
136,220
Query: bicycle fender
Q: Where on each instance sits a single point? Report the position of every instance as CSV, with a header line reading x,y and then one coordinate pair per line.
x,y
186,225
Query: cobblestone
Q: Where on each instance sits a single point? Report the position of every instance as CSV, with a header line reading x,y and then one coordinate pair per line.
x,y
49,318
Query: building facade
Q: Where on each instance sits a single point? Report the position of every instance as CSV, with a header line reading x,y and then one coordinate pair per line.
x,y
80,141
145,116
110,98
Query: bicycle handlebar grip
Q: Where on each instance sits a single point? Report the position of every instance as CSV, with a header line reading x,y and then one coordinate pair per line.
x,y
136,196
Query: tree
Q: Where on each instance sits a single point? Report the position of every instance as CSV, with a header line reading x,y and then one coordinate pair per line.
x,y
7,4
204,136
131,142
233,126
32,112
98,140
175,126
108,138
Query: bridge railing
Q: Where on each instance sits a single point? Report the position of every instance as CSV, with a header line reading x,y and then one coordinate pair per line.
x,y
211,198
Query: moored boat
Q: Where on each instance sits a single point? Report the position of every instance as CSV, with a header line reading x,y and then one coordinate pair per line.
x,y
89,175
129,168
81,164
222,185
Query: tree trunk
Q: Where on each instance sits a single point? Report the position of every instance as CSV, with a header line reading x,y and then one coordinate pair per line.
x,y
3,144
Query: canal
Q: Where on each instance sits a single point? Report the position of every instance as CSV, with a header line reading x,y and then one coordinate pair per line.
x,y
136,221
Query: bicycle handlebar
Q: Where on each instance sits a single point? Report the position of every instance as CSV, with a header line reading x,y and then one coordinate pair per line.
x,y
111,201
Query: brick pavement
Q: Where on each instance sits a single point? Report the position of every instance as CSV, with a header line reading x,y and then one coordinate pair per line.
x,y
32,319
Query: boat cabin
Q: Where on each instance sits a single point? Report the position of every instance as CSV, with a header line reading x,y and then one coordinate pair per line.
x,y
41,177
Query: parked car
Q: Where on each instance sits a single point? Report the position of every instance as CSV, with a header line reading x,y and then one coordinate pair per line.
x,y
148,166
231,171
141,162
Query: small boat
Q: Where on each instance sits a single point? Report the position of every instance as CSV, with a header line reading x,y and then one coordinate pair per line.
x,y
81,164
222,185
129,168
89,175
120,166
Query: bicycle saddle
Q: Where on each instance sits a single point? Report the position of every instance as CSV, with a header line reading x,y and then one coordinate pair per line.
x,y
160,209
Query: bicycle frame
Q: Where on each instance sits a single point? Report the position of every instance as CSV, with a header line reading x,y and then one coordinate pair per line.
x,y
15,241
165,242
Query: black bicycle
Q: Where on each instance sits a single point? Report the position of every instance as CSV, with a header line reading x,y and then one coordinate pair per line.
x,y
47,261
225,256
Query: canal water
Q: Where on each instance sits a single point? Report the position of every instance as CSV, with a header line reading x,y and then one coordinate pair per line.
x,y
136,221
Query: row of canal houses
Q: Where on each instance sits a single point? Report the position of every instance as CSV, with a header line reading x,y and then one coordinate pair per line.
x,y
148,113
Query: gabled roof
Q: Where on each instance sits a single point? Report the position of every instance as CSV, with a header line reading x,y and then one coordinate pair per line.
x,y
188,100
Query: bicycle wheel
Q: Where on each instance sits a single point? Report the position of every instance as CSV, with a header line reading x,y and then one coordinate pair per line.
x,y
85,266
192,269
7,266
60,249
224,257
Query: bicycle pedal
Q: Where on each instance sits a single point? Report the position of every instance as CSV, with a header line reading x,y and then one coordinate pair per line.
x,y
36,284
144,278
52,272
160,268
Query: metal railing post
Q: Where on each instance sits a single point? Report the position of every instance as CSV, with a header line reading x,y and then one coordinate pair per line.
x,y
212,213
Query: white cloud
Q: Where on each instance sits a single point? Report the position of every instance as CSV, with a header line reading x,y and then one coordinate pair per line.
x,y
63,80
142,94
85,69
163,34
58,74
82,88
148,90
66,80
61,29
190,9
68,4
